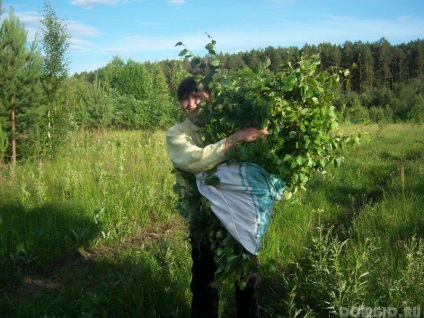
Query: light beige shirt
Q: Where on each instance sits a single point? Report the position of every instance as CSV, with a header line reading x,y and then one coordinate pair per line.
x,y
187,152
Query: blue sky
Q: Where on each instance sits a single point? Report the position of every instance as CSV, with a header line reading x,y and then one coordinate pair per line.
x,y
147,30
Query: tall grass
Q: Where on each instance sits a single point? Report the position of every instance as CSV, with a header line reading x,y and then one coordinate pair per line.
x,y
92,232
356,239
109,191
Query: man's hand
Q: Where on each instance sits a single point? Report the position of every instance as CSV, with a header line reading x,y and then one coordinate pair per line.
x,y
248,135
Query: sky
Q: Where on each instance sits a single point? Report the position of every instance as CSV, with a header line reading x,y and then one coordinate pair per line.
x,y
147,30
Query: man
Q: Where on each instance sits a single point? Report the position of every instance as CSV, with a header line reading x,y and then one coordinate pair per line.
x,y
190,156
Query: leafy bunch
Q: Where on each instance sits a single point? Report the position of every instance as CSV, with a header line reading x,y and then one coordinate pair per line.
x,y
295,104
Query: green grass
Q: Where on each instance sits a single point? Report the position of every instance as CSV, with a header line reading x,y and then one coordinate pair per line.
x,y
356,239
93,232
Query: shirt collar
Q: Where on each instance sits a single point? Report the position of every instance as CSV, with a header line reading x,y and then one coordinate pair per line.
x,y
191,125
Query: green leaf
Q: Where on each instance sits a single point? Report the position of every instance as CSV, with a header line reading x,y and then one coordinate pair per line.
x,y
303,177
338,162
212,181
183,52
231,258
178,44
293,134
215,63
244,153
288,158
209,47
301,160
242,285
219,251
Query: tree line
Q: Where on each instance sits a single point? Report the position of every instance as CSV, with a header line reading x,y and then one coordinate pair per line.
x,y
385,83
373,65
41,104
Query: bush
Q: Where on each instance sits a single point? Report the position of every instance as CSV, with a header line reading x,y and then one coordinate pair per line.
x,y
416,113
358,114
381,115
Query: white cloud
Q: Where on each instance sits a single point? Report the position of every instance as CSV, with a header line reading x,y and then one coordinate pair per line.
x,y
78,48
77,44
405,17
90,3
176,2
31,20
117,51
77,29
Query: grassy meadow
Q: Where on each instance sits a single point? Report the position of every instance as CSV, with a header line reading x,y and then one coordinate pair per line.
x,y
93,232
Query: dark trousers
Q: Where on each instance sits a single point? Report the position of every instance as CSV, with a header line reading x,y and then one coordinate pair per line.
x,y
205,301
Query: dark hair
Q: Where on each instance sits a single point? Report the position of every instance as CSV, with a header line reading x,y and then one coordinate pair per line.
x,y
187,86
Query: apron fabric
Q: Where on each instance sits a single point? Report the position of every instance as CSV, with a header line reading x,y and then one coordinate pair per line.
x,y
242,200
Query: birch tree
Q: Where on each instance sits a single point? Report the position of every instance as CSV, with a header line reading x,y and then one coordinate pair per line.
x,y
55,42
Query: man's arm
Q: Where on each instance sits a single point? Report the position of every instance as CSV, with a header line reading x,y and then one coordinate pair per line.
x,y
187,156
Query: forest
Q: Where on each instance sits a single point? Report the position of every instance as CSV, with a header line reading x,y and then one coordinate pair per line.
x,y
41,103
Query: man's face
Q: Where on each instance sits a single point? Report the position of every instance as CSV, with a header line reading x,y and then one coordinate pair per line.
x,y
192,102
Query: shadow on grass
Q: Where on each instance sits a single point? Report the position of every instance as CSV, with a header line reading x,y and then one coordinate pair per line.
x,y
48,270
30,238
88,285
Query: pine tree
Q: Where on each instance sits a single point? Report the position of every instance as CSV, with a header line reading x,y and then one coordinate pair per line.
x,y
417,58
98,105
399,66
20,88
356,77
366,67
330,55
384,59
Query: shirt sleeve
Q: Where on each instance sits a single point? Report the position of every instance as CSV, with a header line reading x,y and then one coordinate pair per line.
x,y
187,156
